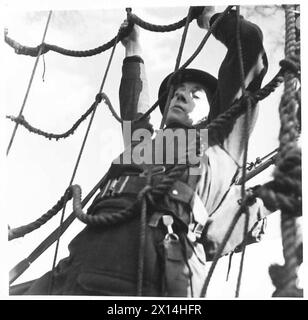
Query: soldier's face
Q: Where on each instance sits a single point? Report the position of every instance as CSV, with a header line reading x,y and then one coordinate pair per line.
x,y
189,104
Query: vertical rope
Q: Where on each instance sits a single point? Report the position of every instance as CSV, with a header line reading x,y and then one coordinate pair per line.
x,y
44,68
142,235
97,101
219,251
30,83
287,285
177,64
246,135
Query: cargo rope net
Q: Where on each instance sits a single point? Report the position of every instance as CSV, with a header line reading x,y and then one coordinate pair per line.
x,y
275,194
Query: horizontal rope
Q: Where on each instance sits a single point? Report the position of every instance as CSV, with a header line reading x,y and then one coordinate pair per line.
x,y
196,11
112,218
99,97
45,47
23,122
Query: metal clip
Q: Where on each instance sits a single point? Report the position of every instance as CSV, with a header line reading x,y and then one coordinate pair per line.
x,y
195,231
112,187
168,222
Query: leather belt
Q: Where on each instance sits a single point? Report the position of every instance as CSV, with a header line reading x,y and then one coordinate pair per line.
x,y
180,192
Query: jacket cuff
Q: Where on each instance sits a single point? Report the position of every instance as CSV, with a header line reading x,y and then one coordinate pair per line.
x,y
133,59
216,15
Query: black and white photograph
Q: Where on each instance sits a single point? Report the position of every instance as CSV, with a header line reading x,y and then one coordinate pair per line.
x,y
151,150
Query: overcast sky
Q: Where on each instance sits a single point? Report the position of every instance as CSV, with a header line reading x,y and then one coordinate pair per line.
x,y
37,171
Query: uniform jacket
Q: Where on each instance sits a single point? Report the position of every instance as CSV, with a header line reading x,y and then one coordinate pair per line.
x,y
103,261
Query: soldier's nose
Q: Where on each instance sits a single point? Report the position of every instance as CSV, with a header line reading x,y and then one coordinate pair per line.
x,y
180,96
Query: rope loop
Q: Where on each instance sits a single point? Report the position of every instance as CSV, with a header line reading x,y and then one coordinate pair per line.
x,y
21,231
99,97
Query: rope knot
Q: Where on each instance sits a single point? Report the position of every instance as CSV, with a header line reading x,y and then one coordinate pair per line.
x,y
43,47
291,64
99,97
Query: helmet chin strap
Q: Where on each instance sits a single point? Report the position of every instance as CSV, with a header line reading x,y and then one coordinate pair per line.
x,y
178,124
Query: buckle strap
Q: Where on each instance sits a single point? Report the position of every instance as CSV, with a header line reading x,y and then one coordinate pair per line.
x,y
182,192
131,183
126,184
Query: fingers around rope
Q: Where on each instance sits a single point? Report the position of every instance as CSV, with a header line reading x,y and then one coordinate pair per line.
x,y
126,27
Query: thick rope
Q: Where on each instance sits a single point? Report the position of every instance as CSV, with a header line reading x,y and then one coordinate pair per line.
x,y
23,230
112,218
288,149
288,169
99,97
195,12
24,264
107,219
30,84
45,47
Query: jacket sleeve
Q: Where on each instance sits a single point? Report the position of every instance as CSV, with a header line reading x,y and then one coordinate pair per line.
x,y
134,93
229,79
219,194
220,221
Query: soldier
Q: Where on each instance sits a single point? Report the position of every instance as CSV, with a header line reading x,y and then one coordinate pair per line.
x,y
187,224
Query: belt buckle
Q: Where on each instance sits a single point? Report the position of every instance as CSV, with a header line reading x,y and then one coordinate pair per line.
x,y
112,185
117,185
195,231
198,229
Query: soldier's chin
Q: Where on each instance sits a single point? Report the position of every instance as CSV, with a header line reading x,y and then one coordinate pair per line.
x,y
175,117
177,123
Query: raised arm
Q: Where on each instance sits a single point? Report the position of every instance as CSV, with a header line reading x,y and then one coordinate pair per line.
x,y
220,199
133,93
229,80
